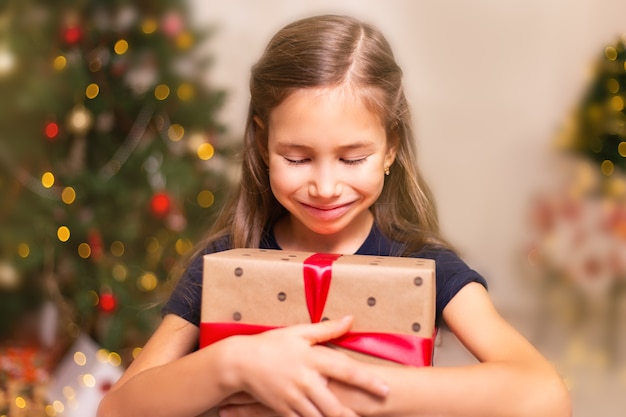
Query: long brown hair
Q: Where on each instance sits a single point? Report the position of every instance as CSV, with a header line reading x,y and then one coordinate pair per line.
x,y
327,51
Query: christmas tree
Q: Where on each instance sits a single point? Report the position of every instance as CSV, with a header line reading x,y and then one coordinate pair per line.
x,y
597,130
111,162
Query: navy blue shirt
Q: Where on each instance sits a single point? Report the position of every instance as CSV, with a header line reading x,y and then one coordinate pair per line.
x,y
452,273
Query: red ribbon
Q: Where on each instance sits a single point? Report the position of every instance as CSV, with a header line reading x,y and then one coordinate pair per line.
x,y
317,274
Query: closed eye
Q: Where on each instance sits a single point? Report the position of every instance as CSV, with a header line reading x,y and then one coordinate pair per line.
x,y
353,161
296,161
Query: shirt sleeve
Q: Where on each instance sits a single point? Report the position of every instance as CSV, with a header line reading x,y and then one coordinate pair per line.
x,y
452,274
186,298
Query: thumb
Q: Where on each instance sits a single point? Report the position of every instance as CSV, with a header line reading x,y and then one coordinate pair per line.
x,y
327,330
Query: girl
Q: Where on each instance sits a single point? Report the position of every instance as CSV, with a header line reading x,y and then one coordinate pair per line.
x,y
329,166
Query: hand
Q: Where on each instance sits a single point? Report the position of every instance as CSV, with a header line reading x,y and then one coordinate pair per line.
x,y
287,371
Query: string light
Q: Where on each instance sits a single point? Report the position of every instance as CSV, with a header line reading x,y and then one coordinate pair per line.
x,y
611,53
206,151
175,132
63,233
607,168
161,92
205,199
185,92
47,179
148,26
84,250
92,91
147,282
182,246
117,248
617,103
59,63
80,358
184,40
119,272
23,250
68,195
121,47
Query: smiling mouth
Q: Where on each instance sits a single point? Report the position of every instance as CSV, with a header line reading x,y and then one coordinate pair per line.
x,y
327,213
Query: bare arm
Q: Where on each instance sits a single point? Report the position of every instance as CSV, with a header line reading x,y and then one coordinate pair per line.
x,y
512,378
283,369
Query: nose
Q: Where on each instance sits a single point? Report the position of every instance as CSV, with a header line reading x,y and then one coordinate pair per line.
x,y
325,182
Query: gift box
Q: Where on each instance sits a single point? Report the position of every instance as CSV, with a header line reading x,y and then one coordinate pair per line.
x,y
391,299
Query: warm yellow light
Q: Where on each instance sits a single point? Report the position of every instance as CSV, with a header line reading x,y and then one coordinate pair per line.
x,y
58,406
23,250
612,85
63,233
607,168
117,248
611,53
175,132
184,40
205,199
185,92
115,359
102,355
92,90
148,26
121,47
50,411
47,179
206,151
136,352
59,63
617,103
80,358
88,380
94,297
68,195
20,402
182,246
84,250
161,92
147,282
68,392
119,272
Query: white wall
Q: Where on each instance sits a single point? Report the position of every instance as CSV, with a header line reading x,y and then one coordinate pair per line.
x,y
489,82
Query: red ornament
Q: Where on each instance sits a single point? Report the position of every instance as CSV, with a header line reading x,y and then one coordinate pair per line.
x,y
108,302
72,35
51,130
160,204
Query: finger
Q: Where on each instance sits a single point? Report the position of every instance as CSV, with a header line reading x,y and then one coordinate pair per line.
x,y
247,410
326,330
326,401
336,365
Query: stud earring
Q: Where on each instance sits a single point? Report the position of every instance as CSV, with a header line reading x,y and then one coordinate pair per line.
x,y
386,170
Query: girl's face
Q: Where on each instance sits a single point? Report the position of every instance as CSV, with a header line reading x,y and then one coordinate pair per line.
x,y
327,154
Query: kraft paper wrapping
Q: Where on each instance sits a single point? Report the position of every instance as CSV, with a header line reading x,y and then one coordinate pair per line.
x,y
383,294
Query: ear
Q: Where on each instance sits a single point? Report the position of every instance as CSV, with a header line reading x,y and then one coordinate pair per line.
x,y
392,147
260,134
258,122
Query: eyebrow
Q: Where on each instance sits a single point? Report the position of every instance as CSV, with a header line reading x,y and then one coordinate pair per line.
x,y
299,146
